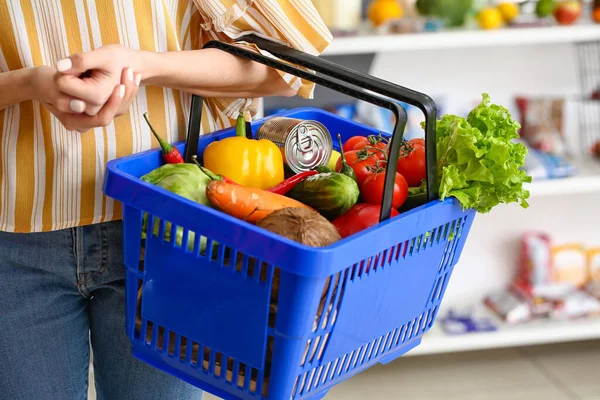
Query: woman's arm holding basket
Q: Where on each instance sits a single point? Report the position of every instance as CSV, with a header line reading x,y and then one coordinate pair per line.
x,y
210,72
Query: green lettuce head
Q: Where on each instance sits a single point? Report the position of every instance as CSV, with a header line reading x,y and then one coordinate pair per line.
x,y
478,161
185,180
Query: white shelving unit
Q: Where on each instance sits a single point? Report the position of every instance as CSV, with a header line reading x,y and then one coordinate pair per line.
x,y
436,341
457,67
586,181
370,43
539,61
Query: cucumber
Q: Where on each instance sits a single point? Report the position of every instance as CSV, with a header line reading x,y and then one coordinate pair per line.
x,y
330,193
323,169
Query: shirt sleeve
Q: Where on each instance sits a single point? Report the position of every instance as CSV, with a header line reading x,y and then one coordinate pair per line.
x,y
295,23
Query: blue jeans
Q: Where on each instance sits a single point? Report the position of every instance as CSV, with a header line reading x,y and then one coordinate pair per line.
x,y
59,291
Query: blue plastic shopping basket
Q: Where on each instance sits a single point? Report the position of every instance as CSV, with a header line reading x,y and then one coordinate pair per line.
x,y
207,317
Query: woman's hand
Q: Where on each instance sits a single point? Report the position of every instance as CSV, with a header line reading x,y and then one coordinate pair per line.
x,y
92,76
70,110
208,72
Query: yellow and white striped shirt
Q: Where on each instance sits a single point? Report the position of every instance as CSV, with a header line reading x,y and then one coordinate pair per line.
x,y
51,178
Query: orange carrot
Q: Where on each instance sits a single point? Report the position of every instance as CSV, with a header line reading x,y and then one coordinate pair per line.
x,y
248,204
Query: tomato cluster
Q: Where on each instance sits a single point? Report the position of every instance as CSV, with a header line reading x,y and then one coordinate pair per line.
x,y
368,157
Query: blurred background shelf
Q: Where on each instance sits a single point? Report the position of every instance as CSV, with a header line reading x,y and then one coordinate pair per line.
x,y
370,43
587,181
532,333
455,66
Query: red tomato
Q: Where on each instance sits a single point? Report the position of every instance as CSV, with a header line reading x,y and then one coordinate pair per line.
x,y
380,145
417,141
372,189
412,166
360,167
355,141
358,218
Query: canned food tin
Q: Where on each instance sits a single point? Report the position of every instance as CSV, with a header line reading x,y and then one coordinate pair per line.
x,y
305,144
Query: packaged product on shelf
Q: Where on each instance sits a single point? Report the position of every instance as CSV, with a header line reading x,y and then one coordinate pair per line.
x,y
570,265
556,279
460,323
540,302
535,278
510,305
593,286
542,123
535,264
594,264
540,165
577,304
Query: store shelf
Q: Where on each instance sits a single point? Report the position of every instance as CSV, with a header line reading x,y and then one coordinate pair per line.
x,y
532,333
465,38
587,181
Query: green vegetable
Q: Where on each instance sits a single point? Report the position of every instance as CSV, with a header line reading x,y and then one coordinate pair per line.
x,y
454,12
478,161
417,195
331,194
323,169
545,8
186,180
346,169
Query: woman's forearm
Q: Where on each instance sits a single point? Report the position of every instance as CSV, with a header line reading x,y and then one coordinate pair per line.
x,y
211,73
15,87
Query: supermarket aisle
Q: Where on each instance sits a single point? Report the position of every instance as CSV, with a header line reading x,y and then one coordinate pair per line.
x,y
556,372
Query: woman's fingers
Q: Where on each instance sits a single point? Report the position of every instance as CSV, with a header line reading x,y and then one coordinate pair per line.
x,y
78,115
83,123
79,63
66,104
94,91
127,79
132,83
110,109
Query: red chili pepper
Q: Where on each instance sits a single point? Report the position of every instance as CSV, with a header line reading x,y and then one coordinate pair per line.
x,y
282,188
289,183
170,154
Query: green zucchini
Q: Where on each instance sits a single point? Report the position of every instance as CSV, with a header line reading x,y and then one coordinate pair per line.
x,y
330,193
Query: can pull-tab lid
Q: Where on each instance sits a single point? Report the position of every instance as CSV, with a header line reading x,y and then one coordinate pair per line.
x,y
305,143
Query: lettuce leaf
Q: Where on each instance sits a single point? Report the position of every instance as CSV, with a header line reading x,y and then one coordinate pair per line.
x,y
478,162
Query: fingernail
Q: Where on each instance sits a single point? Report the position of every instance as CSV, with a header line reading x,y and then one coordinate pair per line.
x,y
122,91
77,106
64,65
138,79
129,74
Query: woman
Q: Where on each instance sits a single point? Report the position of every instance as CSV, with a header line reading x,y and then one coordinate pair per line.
x,y
75,78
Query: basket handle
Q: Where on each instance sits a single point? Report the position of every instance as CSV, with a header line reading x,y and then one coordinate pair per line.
x,y
344,80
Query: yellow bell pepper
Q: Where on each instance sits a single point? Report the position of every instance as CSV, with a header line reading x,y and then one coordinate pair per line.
x,y
335,156
248,162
